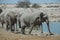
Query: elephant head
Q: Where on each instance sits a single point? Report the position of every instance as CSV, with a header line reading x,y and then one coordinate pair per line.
x,y
44,18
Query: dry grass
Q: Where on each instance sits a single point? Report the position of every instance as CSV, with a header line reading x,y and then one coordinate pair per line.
x,y
4,35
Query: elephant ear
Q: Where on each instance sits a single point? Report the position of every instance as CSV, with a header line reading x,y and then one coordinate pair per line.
x,y
41,15
45,16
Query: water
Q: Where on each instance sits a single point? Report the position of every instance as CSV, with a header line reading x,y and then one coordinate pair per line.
x,y
54,27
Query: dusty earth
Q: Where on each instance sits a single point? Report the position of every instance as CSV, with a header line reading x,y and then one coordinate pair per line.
x,y
5,35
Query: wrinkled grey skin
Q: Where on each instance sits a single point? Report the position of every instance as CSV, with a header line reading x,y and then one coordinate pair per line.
x,y
10,18
0,17
2,21
13,19
3,17
33,19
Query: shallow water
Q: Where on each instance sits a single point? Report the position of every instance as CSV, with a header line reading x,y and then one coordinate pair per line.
x,y
54,27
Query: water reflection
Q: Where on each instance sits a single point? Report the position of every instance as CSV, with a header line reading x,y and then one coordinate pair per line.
x,y
54,26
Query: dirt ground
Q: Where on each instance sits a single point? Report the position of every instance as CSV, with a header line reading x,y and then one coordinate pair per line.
x,y
5,35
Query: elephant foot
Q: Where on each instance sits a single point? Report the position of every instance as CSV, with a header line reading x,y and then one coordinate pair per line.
x,y
2,27
17,30
12,31
50,34
23,33
7,29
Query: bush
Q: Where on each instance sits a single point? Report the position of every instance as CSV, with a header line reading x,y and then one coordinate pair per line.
x,y
23,4
35,6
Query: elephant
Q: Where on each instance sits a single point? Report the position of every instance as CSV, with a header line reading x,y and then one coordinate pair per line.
x,y
12,19
33,19
3,18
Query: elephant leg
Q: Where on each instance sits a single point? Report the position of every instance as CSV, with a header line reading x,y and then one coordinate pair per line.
x,y
23,29
11,27
49,28
31,28
12,30
2,25
19,24
17,27
7,27
41,28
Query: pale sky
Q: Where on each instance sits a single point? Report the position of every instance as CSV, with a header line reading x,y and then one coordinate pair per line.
x,y
32,1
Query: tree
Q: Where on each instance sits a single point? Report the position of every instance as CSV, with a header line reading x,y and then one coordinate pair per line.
x,y
35,6
24,4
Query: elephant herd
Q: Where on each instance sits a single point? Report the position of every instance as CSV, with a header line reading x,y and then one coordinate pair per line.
x,y
23,20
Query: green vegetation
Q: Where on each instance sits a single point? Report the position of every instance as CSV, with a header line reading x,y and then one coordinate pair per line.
x,y
24,4
35,6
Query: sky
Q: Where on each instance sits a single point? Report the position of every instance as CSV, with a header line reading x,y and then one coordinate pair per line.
x,y
32,1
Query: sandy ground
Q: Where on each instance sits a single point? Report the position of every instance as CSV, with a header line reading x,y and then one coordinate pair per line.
x,y
5,35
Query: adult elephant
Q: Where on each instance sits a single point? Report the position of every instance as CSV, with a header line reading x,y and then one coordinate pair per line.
x,y
33,19
3,18
12,19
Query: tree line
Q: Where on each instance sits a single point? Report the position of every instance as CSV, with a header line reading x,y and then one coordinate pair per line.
x,y
26,4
